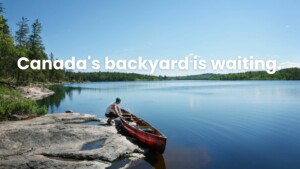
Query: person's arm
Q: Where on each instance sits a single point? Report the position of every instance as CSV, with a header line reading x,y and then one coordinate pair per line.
x,y
120,112
117,110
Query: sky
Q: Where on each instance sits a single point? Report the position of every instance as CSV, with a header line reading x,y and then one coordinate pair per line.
x,y
211,29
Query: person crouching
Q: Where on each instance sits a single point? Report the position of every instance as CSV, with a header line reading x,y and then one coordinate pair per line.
x,y
113,111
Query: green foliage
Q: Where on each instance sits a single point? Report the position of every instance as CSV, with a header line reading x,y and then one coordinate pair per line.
x,y
109,76
22,34
35,40
7,56
207,76
5,90
1,19
4,28
26,46
19,106
1,9
284,74
12,103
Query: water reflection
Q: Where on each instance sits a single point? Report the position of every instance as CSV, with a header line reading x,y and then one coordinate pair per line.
x,y
152,160
188,156
62,93
176,158
157,161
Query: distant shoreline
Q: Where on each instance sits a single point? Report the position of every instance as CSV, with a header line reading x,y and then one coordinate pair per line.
x,y
284,74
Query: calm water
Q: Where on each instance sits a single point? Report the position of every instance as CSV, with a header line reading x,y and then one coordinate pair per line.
x,y
209,124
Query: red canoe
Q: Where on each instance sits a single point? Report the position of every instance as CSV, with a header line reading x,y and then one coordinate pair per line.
x,y
143,131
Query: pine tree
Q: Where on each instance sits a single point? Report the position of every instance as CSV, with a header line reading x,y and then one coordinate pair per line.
x,y
4,29
35,40
22,34
1,37
37,50
21,39
7,48
1,9
1,20
51,71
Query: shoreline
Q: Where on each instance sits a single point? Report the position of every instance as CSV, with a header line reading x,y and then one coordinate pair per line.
x,y
34,92
19,102
57,140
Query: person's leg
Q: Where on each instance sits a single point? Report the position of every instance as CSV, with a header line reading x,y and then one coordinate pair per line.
x,y
113,116
109,118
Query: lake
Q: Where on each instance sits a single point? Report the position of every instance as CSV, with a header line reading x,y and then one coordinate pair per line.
x,y
209,124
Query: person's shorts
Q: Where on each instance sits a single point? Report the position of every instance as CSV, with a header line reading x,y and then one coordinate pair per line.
x,y
111,115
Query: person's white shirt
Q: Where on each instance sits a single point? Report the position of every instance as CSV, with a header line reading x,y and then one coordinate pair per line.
x,y
114,107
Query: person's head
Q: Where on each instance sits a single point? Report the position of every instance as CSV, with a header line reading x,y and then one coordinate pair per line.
x,y
118,100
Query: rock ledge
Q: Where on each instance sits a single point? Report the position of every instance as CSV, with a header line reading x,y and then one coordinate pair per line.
x,y
56,141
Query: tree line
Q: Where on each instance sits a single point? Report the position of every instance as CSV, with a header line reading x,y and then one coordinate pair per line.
x,y
284,74
27,42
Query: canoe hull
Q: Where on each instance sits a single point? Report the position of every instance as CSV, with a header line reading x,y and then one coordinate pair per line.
x,y
156,142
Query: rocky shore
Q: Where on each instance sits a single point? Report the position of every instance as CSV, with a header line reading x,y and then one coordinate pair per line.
x,y
65,141
34,92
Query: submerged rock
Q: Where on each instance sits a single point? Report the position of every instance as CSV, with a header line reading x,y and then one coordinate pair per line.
x,y
58,140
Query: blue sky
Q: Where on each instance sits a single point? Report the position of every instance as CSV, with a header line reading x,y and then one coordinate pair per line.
x,y
169,29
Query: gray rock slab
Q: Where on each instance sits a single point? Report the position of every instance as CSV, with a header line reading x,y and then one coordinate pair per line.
x,y
56,141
